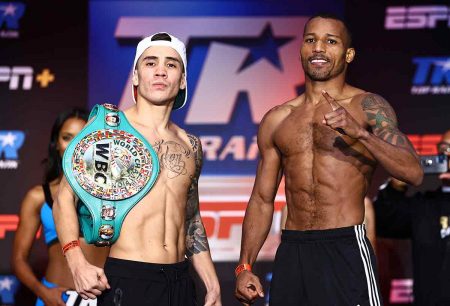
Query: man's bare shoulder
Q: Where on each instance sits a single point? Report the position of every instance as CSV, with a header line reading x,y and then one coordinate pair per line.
x,y
359,97
278,113
361,101
191,140
372,104
194,142
370,96
351,96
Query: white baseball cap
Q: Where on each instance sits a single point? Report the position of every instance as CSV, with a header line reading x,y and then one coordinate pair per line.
x,y
174,43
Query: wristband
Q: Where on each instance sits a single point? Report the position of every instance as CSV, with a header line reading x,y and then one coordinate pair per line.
x,y
242,267
70,245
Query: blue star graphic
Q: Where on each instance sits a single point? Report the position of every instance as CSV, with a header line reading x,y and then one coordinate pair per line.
x,y
263,47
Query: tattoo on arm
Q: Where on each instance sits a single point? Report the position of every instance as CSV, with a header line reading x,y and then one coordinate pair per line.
x,y
196,240
382,119
195,143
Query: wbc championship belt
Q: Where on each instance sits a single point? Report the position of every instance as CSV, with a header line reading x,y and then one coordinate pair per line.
x,y
111,167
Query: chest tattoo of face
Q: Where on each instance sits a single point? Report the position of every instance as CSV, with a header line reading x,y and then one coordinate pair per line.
x,y
172,156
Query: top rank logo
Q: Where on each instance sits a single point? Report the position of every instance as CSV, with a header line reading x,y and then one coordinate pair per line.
x,y
238,69
10,14
416,17
10,143
432,76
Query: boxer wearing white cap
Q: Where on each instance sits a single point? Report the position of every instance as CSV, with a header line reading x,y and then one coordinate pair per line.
x,y
148,264
179,47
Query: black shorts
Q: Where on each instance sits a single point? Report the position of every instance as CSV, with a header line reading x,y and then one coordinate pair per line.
x,y
325,268
135,283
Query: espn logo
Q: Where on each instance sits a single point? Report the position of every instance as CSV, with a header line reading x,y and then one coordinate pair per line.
x,y
416,17
401,291
13,76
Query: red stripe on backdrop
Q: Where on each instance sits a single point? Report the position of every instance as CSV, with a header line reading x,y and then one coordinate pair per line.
x,y
9,223
425,144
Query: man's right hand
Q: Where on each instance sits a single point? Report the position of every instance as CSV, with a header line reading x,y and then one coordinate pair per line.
x,y
248,288
89,280
397,184
53,296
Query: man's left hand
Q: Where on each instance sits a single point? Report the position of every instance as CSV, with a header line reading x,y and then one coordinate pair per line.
x,y
341,120
212,298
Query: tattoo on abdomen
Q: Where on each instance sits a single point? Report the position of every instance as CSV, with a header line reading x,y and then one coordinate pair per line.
x,y
383,120
196,240
172,155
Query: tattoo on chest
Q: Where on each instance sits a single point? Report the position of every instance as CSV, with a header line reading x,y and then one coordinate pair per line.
x,y
172,156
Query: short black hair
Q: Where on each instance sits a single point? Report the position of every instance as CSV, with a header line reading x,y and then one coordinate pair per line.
x,y
161,36
334,17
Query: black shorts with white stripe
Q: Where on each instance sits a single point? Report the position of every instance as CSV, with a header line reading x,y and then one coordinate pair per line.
x,y
325,267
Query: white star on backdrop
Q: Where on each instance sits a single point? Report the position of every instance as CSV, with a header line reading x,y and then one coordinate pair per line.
x,y
8,139
10,9
6,283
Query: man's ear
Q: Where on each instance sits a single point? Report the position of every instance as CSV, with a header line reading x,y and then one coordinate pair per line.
x,y
350,55
135,78
183,82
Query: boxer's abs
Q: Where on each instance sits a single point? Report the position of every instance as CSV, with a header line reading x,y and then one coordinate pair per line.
x,y
323,191
153,231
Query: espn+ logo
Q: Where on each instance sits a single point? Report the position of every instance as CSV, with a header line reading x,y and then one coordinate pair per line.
x,y
21,77
416,17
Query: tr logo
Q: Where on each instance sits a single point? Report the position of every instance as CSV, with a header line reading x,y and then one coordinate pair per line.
x,y
242,55
433,70
432,75
10,143
10,14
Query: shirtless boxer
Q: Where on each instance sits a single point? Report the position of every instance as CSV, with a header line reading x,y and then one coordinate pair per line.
x,y
147,265
327,143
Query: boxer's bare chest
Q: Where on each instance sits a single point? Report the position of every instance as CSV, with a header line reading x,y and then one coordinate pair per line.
x,y
303,132
177,161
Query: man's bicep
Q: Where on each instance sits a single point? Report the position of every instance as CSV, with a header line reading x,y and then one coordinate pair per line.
x,y
382,119
268,175
269,172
